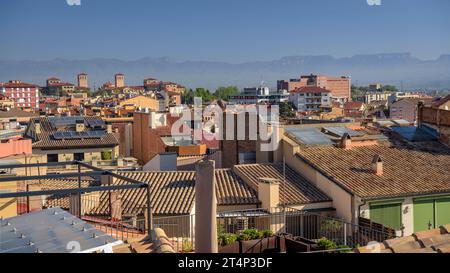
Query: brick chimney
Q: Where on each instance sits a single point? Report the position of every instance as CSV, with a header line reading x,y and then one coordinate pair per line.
x,y
346,141
377,165
269,192
205,208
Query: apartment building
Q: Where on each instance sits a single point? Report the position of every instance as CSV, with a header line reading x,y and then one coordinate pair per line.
x,y
406,95
339,86
407,109
259,95
370,97
24,95
78,138
310,99
55,87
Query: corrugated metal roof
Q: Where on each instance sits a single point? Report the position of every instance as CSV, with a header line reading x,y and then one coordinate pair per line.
x,y
50,231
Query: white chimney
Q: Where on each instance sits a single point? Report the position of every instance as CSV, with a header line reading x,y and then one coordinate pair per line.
x,y
346,141
79,126
37,126
269,192
377,165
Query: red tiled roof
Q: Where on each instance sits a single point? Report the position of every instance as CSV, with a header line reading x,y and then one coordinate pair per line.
x,y
407,170
45,139
61,84
441,101
18,85
294,188
310,89
173,192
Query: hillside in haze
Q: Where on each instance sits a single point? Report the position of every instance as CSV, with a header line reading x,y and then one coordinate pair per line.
x,y
395,68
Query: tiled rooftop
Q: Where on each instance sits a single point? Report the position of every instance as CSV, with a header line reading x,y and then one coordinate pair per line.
x,y
407,169
294,190
430,241
46,140
173,192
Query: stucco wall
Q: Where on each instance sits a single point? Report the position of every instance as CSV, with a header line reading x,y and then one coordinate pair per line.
x,y
342,201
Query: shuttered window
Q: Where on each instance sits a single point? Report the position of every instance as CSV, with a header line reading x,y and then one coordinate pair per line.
x,y
431,213
387,214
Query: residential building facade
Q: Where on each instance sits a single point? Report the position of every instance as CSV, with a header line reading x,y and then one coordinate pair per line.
x,y
24,95
310,99
339,86
259,95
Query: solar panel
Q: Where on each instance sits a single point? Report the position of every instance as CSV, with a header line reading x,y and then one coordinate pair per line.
x,y
65,121
309,136
94,122
79,135
341,130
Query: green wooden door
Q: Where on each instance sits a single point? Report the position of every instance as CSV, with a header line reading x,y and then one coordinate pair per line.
x,y
423,214
442,211
387,214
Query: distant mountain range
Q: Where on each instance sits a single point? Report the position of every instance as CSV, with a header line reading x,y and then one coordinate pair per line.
x,y
393,68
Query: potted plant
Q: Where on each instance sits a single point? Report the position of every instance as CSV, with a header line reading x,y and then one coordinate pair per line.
x,y
254,241
228,243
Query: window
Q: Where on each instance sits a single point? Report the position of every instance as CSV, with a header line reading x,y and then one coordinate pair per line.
x,y
387,214
78,156
431,212
52,158
106,155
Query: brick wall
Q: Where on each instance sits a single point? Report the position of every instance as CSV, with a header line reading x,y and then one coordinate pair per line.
x,y
232,148
438,119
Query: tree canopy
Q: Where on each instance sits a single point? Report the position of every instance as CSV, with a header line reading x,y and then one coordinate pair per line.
x,y
224,92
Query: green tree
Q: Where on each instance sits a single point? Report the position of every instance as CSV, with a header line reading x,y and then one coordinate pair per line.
x,y
224,92
286,110
357,91
204,94
389,88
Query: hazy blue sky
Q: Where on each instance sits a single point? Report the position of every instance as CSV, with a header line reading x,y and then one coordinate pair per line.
x,y
225,30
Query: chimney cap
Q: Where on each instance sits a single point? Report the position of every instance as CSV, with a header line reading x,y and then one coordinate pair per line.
x,y
377,159
346,136
268,180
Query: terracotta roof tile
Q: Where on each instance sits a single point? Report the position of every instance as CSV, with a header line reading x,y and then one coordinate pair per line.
x,y
173,192
407,170
294,190
45,138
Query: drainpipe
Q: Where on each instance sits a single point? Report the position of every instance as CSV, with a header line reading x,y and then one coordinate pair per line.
x,y
359,207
